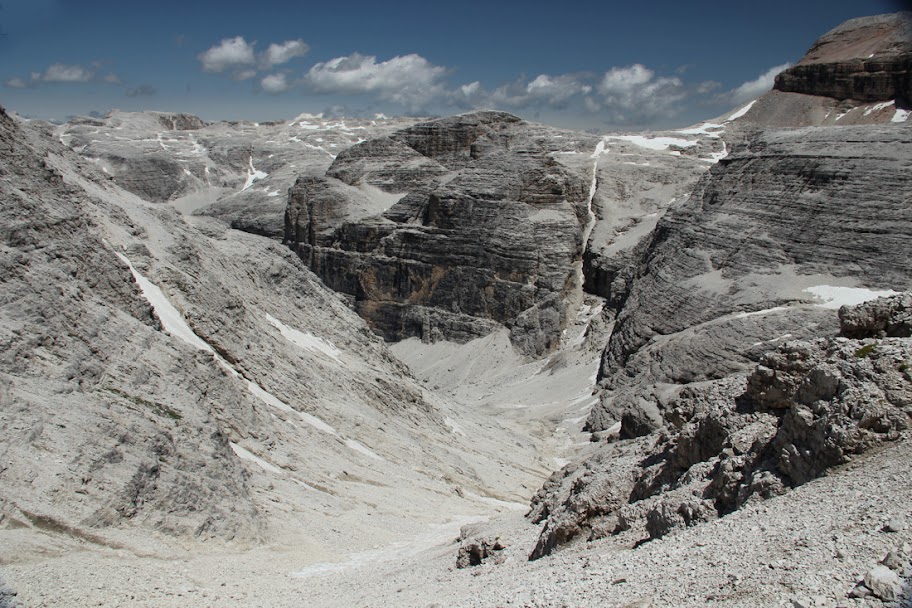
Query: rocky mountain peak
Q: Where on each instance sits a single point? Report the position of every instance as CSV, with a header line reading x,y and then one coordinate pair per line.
x,y
867,59
879,35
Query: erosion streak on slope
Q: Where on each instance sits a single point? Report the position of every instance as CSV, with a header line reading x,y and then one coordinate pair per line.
x,y
174,324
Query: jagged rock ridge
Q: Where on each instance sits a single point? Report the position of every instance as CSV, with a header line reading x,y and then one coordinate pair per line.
x,y
807,407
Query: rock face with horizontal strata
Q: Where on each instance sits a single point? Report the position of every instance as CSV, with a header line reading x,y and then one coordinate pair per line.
x,y
448,229
724,273
866,59
808,406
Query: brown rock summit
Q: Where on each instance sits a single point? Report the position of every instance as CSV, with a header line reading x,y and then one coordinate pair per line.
x,y
867,59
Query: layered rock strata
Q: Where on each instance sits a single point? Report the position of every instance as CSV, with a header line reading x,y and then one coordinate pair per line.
x,y
866,59
806,407
737,265
448,229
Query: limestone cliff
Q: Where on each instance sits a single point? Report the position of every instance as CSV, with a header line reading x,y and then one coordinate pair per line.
x,y
448,229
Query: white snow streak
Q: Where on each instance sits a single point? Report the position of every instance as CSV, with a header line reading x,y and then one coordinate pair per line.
x,y
741,112
252,175
306,341
270,399
361,449
704,129
173,323
766,311
250,457
171,319
877,108
900,115
834,296
655,143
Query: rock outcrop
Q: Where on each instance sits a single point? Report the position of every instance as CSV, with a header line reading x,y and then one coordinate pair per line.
x,y
866,59
807,407
94,436
448,229
735,267
858,73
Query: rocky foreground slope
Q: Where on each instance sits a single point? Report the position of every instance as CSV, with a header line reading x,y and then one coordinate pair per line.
x,y
176,388
167,380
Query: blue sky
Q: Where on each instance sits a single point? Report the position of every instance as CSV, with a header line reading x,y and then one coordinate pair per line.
x,y
596,65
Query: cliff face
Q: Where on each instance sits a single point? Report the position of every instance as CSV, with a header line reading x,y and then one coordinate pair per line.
x,y
866,59
448,229
738,263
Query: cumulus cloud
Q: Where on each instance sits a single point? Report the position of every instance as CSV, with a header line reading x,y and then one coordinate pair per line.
x,y
274,84
229,54
556,91
238,58
277,54
63,73
636,94
760,85
410,80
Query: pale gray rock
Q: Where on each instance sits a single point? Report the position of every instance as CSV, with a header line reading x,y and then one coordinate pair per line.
x,y
474,552
704,305
448,229
883,317
883,583
807,407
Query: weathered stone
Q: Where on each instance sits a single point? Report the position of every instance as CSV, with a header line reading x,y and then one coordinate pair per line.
x,y
688,314
866,59
476,551
883,317
883,583
483,231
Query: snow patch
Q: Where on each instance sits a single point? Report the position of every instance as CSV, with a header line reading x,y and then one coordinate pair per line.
x,y
835,296
707,128
655,143
171,319
306,341
253,174
878,107
249,457
361,449
270,399
900,115
766,311
738,114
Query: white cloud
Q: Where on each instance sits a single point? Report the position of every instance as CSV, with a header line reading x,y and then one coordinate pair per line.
x,y
470,89
410,80
636,95
622,81
229,54
591,104
556,91
274,84
277,54
61,72
238,58
760,85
